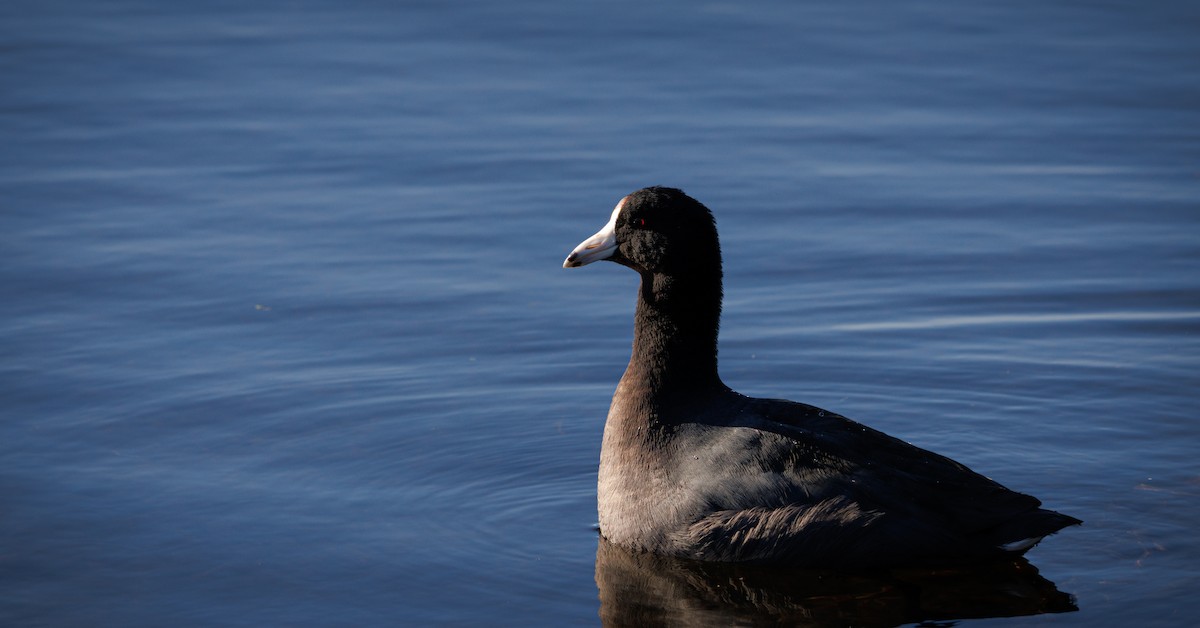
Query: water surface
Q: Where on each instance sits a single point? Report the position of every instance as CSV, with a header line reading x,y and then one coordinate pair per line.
x,y
286,338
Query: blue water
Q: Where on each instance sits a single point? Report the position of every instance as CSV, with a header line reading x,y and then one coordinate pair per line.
x,y
286,339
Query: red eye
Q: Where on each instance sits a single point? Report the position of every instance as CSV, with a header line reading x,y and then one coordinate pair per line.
x,y
641,222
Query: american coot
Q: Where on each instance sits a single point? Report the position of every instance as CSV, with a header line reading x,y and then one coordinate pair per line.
x,y
690,468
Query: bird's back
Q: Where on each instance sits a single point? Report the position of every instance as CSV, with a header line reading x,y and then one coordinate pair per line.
x,y
772,481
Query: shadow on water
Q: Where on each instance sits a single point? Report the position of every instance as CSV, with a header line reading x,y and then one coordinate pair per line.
x,y
638,589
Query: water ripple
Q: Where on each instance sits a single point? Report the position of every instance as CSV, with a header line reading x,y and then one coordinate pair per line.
x,y
943,322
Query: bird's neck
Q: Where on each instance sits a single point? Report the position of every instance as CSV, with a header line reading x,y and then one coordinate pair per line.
x,y
675,336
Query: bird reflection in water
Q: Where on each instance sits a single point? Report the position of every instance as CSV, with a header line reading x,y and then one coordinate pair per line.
x,y
643,589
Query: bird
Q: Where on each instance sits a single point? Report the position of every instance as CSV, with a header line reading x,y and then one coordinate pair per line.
x,y
692,469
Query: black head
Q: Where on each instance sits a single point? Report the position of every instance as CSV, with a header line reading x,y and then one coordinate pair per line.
x,y
655,230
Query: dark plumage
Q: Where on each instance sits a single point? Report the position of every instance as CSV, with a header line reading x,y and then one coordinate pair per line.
x,y
691,468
